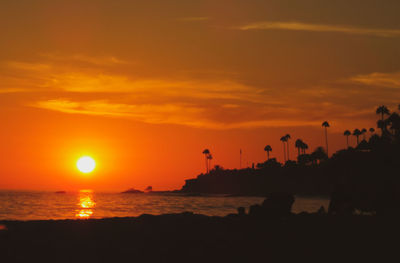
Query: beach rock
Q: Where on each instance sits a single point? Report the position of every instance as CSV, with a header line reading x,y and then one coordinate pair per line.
x,y
241,211
275,205
321,211
279,204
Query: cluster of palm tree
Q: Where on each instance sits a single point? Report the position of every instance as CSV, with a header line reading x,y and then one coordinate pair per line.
x,y
208,158
357,133
393,122
301,147
299,144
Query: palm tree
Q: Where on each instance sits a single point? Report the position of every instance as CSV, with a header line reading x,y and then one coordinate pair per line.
x,y
394,121
299,145
347,133
382,110
304,147
206,153
363,132
357,133
371,130
268,149
326,125
283,140
287,144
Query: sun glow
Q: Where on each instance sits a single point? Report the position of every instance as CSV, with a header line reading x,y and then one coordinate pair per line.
x,y
86,164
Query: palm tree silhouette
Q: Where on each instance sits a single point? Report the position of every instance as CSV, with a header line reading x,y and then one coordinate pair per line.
x,y
287,144
206,153
304,147
382,110
299,145
268,149
283,140
363,132
326,125
371,130
394,121
347,133
357,133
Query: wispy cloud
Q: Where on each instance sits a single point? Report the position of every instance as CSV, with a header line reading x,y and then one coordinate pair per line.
x,y
299,26
55,76
216,103
387,80
148,113
179,114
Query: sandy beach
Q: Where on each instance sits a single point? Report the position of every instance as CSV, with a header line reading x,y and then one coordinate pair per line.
x,y
197,238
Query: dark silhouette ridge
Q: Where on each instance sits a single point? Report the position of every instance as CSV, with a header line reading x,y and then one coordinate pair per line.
x,y
370,171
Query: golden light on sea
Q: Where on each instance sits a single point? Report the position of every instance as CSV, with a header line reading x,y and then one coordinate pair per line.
x,y
86,204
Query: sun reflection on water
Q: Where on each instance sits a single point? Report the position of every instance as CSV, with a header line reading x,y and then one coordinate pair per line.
x,y
86,204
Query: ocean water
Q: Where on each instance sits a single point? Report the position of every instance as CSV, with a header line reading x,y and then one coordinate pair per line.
x,y
30,205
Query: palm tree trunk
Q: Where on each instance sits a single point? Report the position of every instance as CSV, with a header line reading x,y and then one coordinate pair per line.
x,y
284,152
288,150
298,151
268,155
347,139
326,140
206,164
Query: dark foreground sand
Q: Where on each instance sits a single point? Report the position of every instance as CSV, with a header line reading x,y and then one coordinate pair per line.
x,y
198,238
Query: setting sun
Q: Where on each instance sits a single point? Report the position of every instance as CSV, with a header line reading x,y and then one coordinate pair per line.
x,y
86,164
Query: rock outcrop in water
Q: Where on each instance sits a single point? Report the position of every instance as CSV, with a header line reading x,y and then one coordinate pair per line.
x,y
132,191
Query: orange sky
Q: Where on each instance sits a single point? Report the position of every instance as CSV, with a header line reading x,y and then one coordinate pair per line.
x,y
145,86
